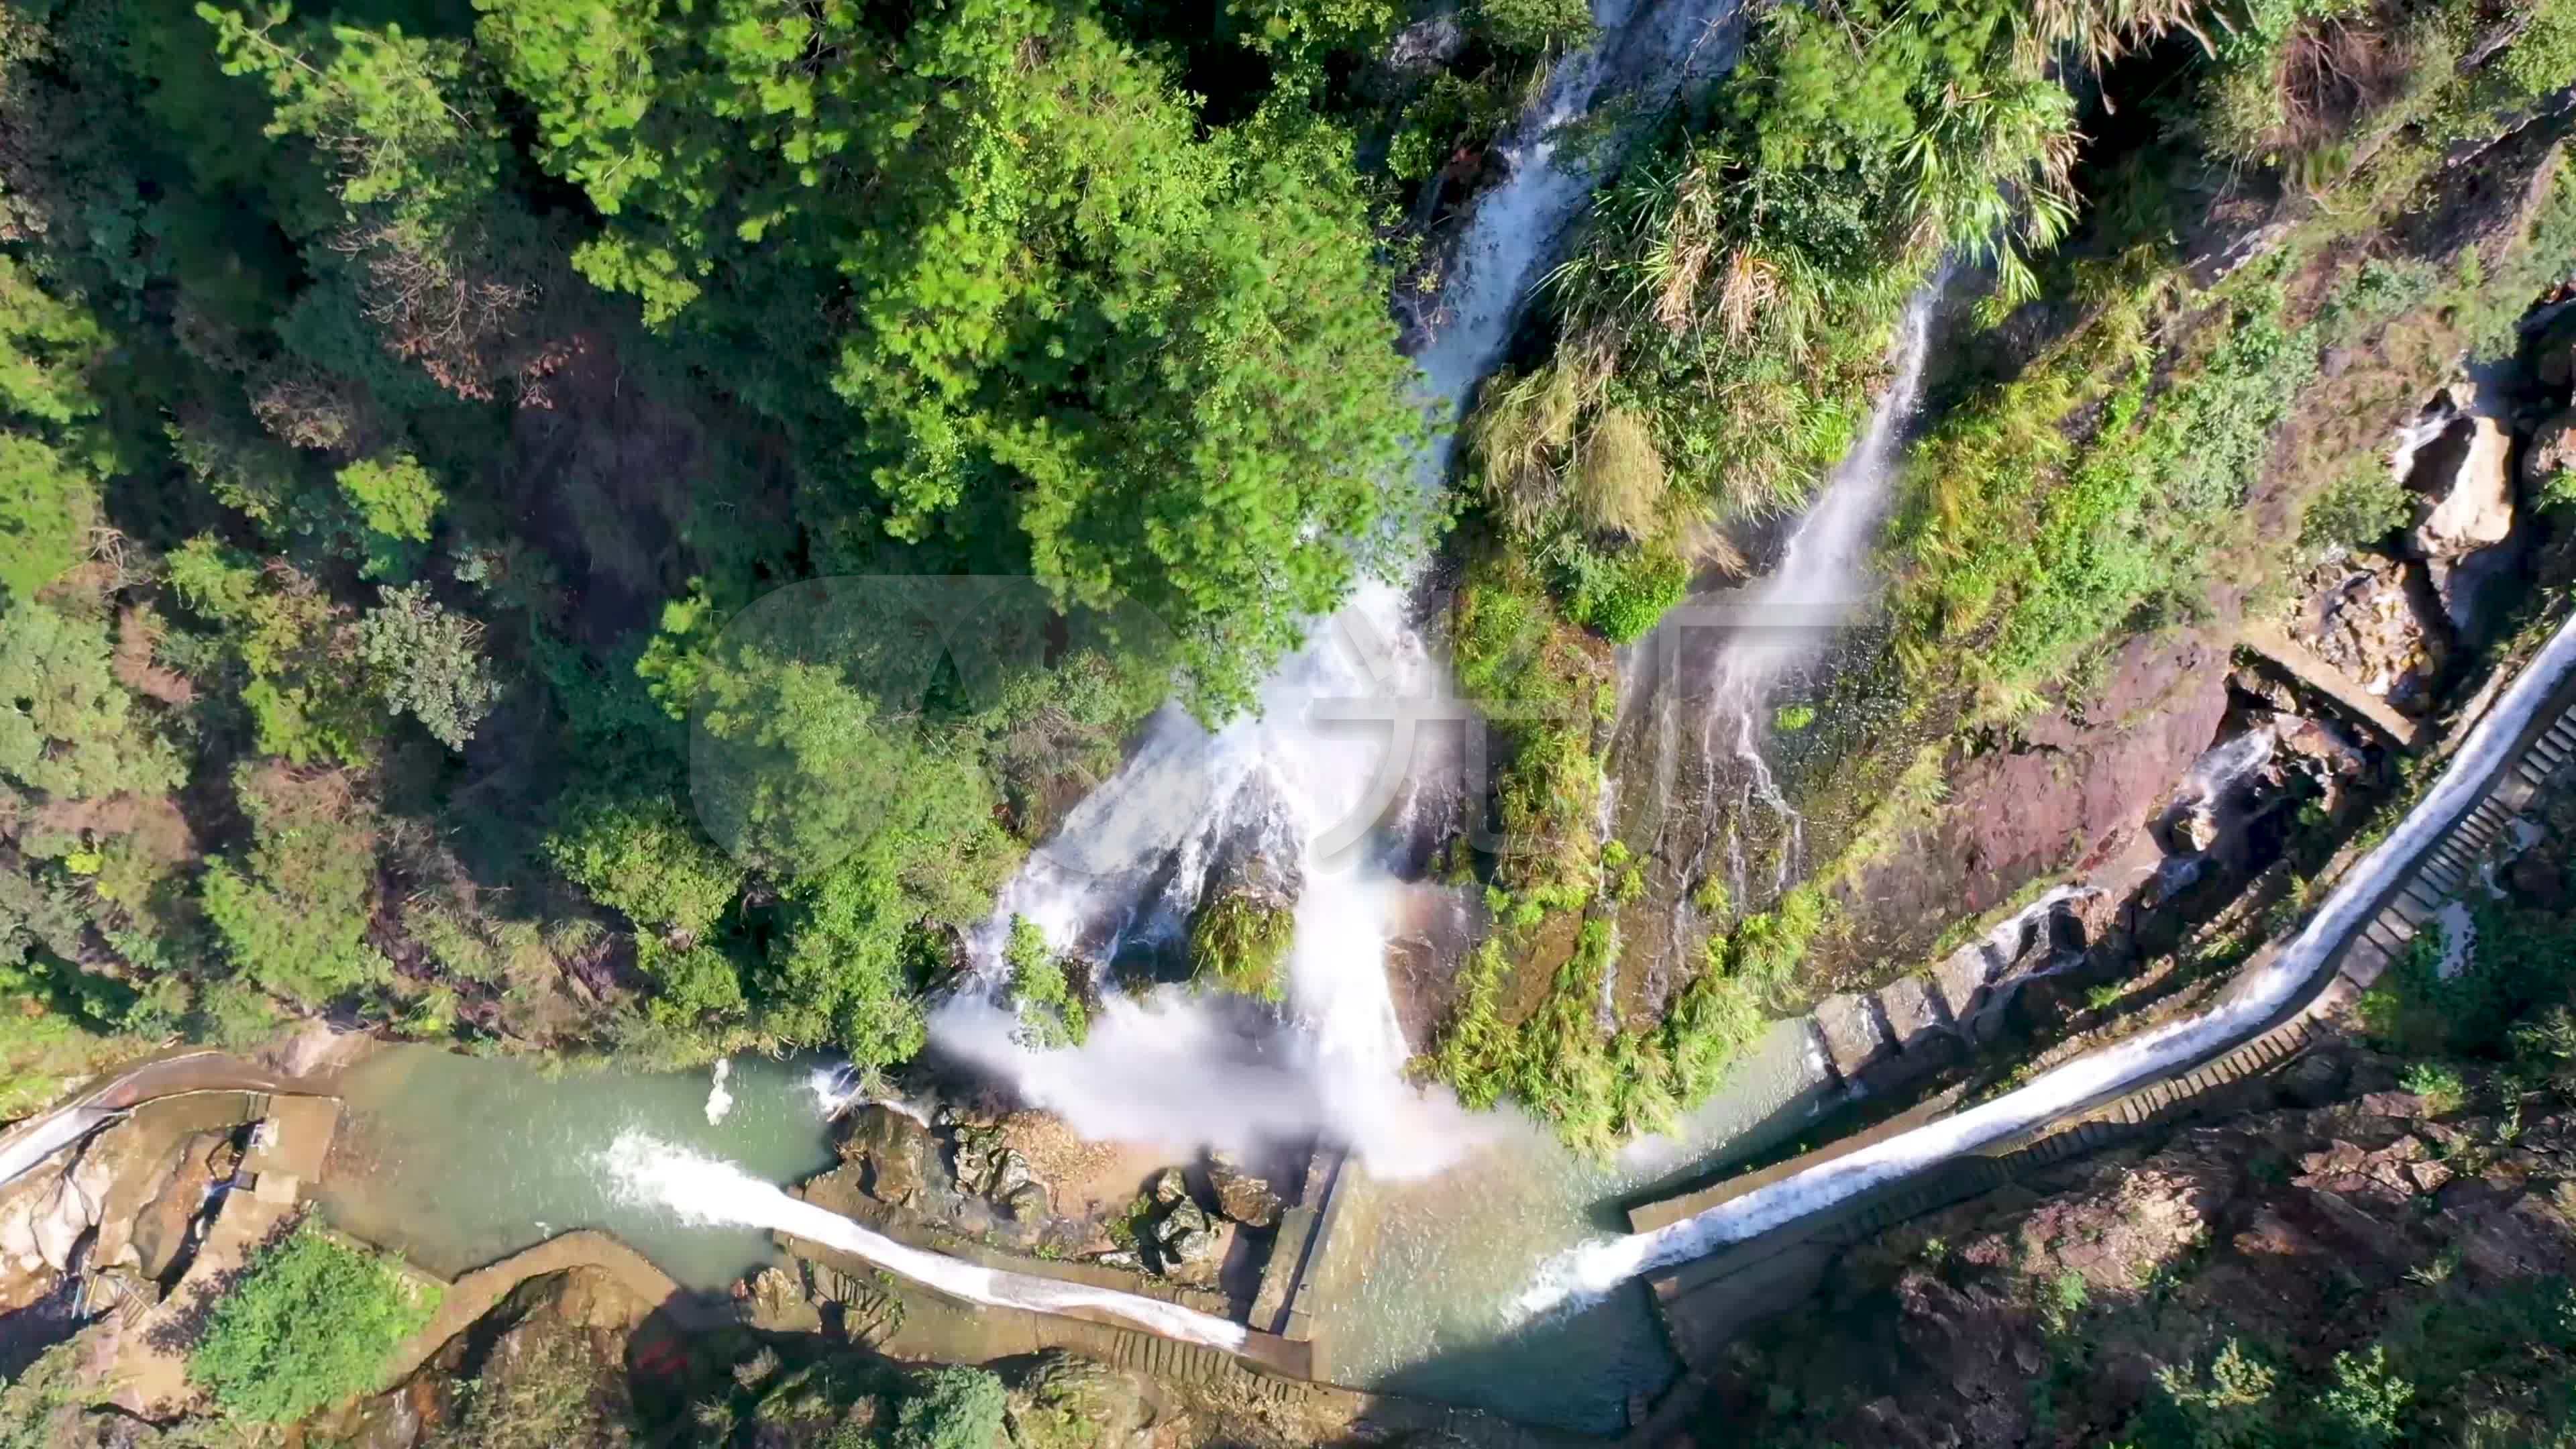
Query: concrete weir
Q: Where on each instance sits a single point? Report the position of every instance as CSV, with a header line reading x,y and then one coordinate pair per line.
x,y
1705,1302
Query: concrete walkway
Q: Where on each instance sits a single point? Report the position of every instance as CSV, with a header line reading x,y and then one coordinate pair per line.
x,y
31,1142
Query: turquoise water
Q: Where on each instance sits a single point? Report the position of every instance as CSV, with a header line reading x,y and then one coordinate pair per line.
x,y
459,1160
1420,1283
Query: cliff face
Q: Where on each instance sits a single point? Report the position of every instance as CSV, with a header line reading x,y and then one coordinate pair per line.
x,y
2385,1267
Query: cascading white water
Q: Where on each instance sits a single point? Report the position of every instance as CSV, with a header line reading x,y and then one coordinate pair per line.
x,y
1591,1270
1819,583
702,1189
1343,740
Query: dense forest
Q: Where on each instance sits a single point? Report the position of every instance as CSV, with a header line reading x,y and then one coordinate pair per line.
x,y
403,396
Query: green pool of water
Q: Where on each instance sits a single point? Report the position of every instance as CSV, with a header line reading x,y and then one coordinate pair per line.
x,y
458,1160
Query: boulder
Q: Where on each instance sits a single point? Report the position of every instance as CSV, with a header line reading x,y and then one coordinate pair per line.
x,y
1247,1199
1427,44
1190,1244
2197,828
976,1157
1029,1202
891,1146
2457,455
1010,1174
2379,621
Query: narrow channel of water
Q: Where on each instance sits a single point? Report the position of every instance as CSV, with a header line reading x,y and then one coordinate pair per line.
x,y
458,1160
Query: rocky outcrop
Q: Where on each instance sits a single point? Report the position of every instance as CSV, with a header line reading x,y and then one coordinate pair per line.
x,y
2377,619
1247,1199
2551,452
2297,1234
2457,457
892,1145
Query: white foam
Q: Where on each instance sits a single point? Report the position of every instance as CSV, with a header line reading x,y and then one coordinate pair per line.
x,y
702,1189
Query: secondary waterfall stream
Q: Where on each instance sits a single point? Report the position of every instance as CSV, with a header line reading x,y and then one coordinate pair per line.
x,y
1820,582
1594,1269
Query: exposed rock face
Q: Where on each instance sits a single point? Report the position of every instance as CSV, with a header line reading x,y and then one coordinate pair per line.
x,y
1241,1196
2457,455
2298,1233
2553,350
2552,451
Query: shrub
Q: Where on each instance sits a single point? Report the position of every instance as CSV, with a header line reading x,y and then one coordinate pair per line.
x,y
2439,1085
1534,25
644,857
293,913
310,1323
951,1408
2356,510
2366,1401
1239,943
1049,1006
1620,596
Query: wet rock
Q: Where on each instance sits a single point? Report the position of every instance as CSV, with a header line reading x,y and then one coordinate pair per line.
x,y
161,1229
2456,454
1247,1199
2538,881
2196,829
2314,1080
893,1146
1853,1032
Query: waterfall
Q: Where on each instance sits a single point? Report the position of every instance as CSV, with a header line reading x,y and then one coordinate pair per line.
x,y
1348,737
702,1189
1820,581
1593,1269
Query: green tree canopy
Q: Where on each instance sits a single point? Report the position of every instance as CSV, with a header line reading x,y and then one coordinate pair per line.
x,y
67,727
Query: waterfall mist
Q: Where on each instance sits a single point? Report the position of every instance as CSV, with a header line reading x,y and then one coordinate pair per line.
x,y
702,1189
